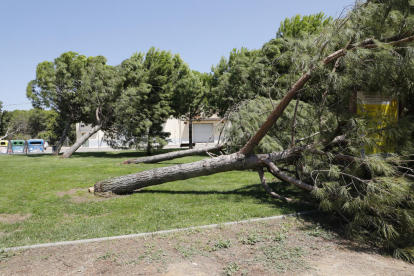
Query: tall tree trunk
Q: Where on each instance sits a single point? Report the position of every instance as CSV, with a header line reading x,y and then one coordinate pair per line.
x,y
1,122
149,143
79,143
224,163
173,155
190,132
63,137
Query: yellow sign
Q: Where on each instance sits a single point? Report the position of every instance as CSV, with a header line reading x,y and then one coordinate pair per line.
x,y
383,111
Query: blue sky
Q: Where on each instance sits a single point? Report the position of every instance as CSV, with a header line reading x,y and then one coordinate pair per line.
x,y
200,31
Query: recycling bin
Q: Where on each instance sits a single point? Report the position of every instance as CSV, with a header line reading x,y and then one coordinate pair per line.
x,y
4,147
18,146
35,146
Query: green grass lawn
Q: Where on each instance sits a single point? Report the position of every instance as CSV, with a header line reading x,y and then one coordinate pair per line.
x,y
40,188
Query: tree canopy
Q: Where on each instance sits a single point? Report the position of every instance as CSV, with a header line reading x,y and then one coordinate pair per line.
x,y
58,86
301,26
150,81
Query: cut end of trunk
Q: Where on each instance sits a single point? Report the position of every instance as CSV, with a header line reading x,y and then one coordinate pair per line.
x,y
91,189
97,187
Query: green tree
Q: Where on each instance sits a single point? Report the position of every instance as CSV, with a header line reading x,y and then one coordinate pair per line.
x,y
150,80
264,72
301,26
55,127
101,94
188,100
239,78
16,124
27,124
164,70
58,86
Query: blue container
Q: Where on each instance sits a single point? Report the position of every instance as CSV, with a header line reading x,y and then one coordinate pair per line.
x,y
35,146
4,147
18,146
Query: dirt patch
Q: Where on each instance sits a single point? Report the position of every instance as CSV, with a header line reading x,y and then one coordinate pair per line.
x,y
348,262
13,218
71,192
288,247
83,195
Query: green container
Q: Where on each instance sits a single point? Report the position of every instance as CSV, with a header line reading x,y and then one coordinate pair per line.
x,y
18,146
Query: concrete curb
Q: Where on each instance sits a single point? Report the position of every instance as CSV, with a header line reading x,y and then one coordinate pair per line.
x,y
149,233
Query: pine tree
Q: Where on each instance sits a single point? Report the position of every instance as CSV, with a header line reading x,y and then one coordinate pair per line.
x,y
57,86
188,100
150,80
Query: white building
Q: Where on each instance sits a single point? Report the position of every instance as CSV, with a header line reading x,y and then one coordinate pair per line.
x,y
202,132
95,141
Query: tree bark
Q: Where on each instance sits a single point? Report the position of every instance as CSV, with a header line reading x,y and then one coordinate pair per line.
x,y
63,137
149,143
172,155
224,163
1,121
190,132
79,143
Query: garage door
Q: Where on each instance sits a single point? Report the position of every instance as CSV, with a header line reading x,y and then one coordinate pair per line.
x,y
201,133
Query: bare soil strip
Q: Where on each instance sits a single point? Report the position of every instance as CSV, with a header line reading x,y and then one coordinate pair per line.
x,y
289,246
150,233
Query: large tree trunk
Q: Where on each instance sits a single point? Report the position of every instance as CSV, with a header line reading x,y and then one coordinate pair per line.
x,y
224,163
82,140
63,137
190,133
173,155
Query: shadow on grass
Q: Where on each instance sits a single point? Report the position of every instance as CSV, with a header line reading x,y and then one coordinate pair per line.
x,y
331,227
130,154
34,155
124,154
255,191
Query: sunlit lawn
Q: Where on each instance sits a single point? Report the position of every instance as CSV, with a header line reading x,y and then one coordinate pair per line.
x,y
40,188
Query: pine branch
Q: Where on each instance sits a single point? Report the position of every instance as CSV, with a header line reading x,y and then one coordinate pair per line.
x,y
333,155
278,111
294,121
279,174
277,196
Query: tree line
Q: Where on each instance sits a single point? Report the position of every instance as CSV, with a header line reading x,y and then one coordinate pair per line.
x,y
289,107
131,101
33,123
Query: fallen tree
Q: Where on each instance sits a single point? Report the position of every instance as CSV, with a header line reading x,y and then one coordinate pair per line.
x,y
368,192
232,162
173,155
129,184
